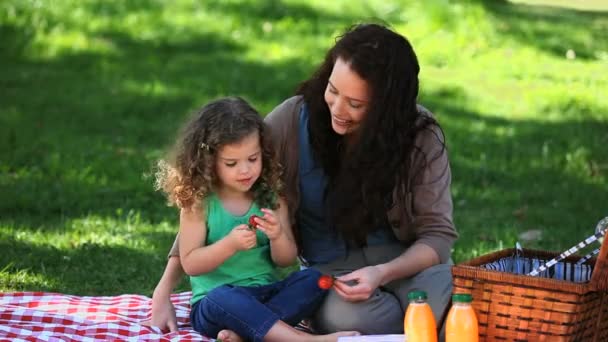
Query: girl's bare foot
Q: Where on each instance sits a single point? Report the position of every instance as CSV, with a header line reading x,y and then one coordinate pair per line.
x,y
228,336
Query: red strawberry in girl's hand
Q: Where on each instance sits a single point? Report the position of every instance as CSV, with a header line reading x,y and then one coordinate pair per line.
x,y
252,223
325,282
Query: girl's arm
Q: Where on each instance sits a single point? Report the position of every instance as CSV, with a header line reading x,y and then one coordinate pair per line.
x,y
283,248
196,258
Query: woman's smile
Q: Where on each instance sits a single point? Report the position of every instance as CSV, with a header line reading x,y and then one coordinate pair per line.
x,y
341,122
347,97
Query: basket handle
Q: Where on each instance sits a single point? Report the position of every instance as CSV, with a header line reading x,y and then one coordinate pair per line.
x,y
599,277
600,231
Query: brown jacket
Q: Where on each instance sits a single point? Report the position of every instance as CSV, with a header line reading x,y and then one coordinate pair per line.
x,y
427,220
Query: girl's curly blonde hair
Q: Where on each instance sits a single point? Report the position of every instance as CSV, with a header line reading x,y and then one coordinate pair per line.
x,y
187,174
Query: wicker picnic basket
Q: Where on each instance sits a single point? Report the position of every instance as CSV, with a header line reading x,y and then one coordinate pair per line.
x,y
515,307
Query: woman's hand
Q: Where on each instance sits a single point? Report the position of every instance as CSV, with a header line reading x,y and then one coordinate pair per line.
x,y
269,224
163,313
242,238
359,285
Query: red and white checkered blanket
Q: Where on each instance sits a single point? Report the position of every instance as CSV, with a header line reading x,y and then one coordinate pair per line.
x,y
41,316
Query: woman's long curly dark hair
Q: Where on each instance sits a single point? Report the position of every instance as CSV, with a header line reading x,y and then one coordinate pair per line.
x,y
362,181
188,174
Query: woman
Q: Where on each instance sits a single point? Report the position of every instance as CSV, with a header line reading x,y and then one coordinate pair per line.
x,y
367,180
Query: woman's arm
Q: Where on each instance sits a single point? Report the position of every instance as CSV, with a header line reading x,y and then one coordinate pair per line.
x,y
415,259
163,312
430,209
428,221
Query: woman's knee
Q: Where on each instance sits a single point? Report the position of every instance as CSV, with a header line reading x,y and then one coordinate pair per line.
x,y
381,314
436,281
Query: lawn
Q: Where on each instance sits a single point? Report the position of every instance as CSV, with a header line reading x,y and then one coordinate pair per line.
x,y
92,92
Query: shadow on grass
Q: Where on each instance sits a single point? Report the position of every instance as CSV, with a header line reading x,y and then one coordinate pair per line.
x,y
551,29
512,176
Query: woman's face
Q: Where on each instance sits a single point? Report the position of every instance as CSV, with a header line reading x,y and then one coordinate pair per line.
x,y
347,95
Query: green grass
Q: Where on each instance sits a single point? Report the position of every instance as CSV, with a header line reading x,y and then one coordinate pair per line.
x,y
92,93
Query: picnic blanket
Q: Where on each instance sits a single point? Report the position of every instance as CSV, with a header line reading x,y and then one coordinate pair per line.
x,y
43,316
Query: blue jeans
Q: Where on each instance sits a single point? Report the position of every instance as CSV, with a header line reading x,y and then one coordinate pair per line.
x,y
250,311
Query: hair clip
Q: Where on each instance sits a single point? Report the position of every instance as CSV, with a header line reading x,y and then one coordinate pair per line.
x,y
205,146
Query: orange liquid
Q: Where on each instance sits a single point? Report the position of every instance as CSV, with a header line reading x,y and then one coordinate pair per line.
x,y
419,324
461,324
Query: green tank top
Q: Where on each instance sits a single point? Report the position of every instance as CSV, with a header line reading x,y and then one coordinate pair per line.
x,y
245,268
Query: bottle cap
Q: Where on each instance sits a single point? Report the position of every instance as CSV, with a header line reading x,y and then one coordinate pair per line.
x,y
462,298
416,295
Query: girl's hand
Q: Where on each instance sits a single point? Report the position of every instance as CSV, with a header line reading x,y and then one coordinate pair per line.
x,y
269,224
358,285
242,238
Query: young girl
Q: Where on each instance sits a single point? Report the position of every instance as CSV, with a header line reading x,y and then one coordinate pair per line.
x,y
223,172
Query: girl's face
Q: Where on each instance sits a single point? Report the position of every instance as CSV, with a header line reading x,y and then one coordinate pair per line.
x,y
239,165
347,95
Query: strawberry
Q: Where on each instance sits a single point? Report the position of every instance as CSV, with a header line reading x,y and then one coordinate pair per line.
x,y
325,282
252,223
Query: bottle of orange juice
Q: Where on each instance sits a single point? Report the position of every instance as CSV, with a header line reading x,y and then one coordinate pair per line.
x,y
461,323
419,323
